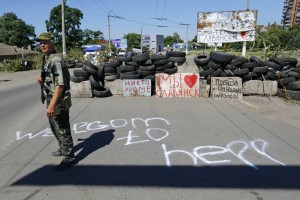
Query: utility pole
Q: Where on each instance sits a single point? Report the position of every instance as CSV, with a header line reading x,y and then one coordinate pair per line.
x,y
187,38
142,38
63,34
294,13
244,42
108,17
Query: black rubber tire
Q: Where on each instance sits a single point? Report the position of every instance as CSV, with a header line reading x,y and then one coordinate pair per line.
x,y
112,77
249,65
79,79
272,65
297,69
132,76
257,60
140,57
177,54
163,67
82,73
132,63
108,69
201,60
292,94
91,65
100,72
230,67
204,67
177,59
206,72
277,61
127,68
95,82
263,69
113,64
283,74
161,62
146,63
171,70
216,73
289,61
91,70
158,57
241,72
121,59
293,86
294,74
229,72
287,80
271,75
145,73
213,65
247,77
220,57
240,59
147,68
104,92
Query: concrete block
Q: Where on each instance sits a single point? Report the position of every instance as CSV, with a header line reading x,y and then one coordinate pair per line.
x,y
81,90
116,86
260,87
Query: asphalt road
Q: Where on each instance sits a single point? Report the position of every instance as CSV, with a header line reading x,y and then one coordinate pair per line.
x,y
150,148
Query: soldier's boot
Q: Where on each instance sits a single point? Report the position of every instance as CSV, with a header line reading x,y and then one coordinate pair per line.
x,y
57,153
67,161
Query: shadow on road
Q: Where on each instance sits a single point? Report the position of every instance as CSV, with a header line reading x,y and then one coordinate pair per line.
x,y
93,143
267,177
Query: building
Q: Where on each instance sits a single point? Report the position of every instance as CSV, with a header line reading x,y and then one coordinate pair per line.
x,y
290,12
156,43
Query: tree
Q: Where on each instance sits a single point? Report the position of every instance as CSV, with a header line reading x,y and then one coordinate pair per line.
x,y
14,31
91,37
169,40
74,35
133,40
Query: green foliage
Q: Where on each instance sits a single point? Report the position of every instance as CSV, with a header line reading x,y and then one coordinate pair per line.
x,y
133,40
76,54
74,35
91,37
169,40
11,65
14,31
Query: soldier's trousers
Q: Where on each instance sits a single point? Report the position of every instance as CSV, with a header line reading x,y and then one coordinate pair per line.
x,y
60,126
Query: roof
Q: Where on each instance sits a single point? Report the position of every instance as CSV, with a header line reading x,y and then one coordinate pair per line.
x,y
7,50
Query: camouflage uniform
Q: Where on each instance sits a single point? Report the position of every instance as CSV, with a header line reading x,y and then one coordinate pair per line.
x,y
56,73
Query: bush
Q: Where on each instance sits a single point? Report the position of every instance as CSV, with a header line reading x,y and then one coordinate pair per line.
x,y
12,65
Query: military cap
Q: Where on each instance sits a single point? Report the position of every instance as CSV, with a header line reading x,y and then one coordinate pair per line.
x,y
46,36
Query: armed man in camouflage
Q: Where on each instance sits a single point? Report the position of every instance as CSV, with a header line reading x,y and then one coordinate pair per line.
x,y
55,82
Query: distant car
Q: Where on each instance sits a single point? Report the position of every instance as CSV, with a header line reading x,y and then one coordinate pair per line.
x,y
122,52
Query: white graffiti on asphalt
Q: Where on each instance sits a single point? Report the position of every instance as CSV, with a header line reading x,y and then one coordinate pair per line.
x,y
258,145
201,153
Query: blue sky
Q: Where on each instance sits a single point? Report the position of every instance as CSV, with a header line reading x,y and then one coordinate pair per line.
x,y
146,16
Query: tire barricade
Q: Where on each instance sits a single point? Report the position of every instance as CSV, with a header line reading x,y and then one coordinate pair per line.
x,y
286,71
139,66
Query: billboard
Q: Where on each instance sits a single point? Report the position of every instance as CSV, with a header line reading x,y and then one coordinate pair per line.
x,y
120,43
228,26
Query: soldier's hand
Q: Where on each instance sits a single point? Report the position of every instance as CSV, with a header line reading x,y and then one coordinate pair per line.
x,y
38,80
50,111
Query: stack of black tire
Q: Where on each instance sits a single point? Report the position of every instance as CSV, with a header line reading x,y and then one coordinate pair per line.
x,y
285,71
95,75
